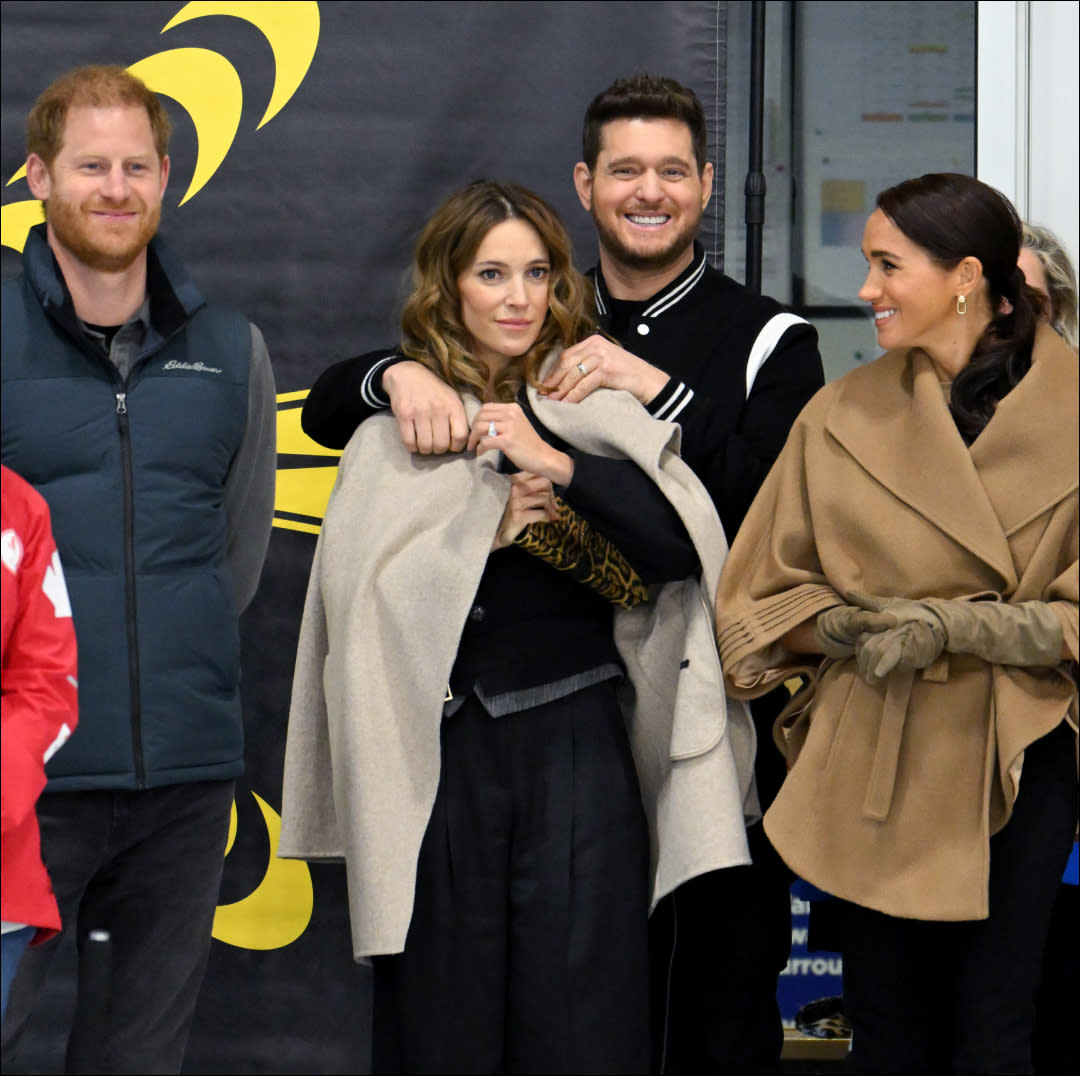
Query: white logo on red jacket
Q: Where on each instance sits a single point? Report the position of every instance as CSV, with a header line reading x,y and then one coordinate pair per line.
x,y
55,588
11,550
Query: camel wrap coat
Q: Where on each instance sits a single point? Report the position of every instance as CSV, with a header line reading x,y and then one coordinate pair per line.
x,y
894,790
402,549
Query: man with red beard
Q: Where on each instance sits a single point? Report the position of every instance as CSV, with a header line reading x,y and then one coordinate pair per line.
x,y
146,417
734,370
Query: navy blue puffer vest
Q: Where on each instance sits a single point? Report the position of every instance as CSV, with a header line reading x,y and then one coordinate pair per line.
x,y
134,474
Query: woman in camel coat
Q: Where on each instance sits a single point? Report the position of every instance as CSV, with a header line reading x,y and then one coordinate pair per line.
x,y
914,554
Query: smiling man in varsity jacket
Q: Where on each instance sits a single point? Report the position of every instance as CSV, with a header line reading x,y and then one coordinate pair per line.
x,y
146,419
733,369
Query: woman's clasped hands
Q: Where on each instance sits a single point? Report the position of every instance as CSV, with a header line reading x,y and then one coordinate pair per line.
x,y
883,634
888,634
504,426
531,500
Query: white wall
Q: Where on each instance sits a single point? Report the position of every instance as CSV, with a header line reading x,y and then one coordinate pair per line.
x,y
1054,121
1028,110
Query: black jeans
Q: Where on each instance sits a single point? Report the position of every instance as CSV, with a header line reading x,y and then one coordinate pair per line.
x,y
960,997
146,867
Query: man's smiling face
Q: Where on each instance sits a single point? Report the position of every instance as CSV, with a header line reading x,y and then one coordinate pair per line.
x,y
645,194
103,190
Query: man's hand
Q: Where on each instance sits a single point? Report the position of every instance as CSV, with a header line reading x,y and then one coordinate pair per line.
x,y
605,365
429,413
531,501
503,426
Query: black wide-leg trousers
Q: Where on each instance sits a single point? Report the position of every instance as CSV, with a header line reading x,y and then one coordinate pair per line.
x,y
527,951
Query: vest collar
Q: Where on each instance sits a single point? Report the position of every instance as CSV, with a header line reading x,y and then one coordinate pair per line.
x,y
173,296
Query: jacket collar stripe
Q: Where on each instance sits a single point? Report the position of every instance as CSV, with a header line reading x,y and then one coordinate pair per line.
x,y
665,300
601,306
680,291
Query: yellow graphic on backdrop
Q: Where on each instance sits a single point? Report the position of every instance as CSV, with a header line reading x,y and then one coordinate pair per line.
x,y
208,88
291,28
301,491
17,218
279,909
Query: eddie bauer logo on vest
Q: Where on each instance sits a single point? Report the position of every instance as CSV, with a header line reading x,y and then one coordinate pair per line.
x,y
199,367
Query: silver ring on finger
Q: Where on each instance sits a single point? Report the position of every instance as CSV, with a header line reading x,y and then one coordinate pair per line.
x,y
492,432
581,369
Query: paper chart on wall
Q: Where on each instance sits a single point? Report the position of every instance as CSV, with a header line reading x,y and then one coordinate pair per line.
x,y
888,92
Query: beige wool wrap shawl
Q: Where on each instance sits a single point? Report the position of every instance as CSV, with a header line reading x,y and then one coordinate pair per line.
x,y
402,549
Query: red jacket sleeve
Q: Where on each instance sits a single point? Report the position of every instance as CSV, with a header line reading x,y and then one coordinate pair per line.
x,y
39,685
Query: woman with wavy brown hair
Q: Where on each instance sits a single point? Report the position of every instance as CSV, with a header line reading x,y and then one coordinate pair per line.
x,y
457,731
913,554
431,323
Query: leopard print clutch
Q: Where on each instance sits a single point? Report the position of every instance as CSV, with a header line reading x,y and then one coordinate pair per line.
x,y
569,544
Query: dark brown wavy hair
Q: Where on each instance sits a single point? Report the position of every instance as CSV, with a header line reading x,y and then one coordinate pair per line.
x,y
952,217
432,331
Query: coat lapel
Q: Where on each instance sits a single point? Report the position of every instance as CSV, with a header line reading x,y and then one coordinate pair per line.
x,y
1027,456
899,429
